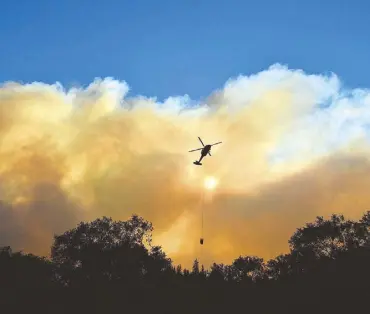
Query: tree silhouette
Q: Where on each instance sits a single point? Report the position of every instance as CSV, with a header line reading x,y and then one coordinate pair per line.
x,y
247,269
105,250
279,268
195,268
324,240
24,270
217,273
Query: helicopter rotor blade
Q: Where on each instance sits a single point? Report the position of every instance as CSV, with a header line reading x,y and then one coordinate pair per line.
x,y
195,149
201,141
216,143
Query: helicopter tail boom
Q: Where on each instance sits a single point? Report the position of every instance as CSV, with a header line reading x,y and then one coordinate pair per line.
x,y
193,150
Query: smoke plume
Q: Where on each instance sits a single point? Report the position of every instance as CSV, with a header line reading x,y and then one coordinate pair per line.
x,y
294,146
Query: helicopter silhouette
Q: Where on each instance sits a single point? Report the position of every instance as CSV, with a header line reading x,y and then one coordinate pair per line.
x,y
206,149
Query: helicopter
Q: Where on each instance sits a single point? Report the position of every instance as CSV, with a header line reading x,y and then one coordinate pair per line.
x,y
206,149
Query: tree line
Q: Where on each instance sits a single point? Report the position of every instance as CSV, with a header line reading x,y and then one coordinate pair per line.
x,y
112,266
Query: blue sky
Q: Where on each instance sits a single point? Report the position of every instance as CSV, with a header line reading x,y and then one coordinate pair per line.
x,y
164,48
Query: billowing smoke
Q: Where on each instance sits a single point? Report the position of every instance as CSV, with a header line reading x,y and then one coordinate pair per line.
x,y
294,146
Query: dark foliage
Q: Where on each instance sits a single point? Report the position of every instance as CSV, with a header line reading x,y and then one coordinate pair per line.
x,y
107,266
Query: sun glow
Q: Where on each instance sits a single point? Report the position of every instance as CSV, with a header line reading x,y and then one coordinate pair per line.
x,y
210,183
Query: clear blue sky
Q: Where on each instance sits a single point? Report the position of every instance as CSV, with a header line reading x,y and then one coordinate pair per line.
x,y
176,47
